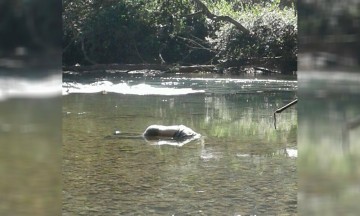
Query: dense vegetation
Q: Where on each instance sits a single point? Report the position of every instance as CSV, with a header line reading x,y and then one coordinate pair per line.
x,y
34,24
178,32
332,28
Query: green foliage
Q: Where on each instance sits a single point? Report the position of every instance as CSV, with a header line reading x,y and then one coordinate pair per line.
x,y
114,34
115,31
133,32
177,31
274,34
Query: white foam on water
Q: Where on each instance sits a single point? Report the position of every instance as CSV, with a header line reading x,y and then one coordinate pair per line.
x,y
240,80
124,88
13,87
293,153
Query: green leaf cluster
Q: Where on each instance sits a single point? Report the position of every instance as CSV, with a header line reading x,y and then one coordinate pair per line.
x,y
152,31
273,35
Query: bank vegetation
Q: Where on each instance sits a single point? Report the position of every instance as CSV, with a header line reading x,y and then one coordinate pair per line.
x,y
219,35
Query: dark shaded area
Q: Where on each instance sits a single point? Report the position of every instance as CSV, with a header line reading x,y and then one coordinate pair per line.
x,y
329,78
166,32
30,36
329,32
30,119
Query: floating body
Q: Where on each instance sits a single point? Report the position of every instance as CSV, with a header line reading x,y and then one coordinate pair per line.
x,y
176,132
175,135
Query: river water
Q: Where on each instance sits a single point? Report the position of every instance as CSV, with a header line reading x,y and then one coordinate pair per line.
x,y
240,166
329,150
30,140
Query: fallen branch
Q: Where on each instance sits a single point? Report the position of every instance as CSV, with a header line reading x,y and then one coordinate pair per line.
x,y
265,70
212,16
125,68
283,108
240,64
197,44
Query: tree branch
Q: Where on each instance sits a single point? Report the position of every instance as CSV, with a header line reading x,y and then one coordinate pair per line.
x,y
195,43
212,16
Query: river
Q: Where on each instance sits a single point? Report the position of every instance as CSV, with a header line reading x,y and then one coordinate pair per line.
x,y
329,161
241,165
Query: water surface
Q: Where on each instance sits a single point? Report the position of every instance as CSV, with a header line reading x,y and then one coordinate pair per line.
x,y
242,165
30,140
329,170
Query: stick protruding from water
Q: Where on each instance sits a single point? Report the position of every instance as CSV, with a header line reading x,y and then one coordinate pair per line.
x,y
283,108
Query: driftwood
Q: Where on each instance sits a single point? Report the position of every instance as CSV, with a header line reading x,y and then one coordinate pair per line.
x,y
283,108
266,65
136,67
263,62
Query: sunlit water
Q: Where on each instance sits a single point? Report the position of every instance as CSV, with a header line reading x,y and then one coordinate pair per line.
x,y
241,165
30,141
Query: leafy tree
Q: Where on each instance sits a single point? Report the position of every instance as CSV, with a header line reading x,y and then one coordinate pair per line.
x,y
178,31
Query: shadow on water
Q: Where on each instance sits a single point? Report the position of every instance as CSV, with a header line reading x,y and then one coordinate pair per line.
x,y
242,165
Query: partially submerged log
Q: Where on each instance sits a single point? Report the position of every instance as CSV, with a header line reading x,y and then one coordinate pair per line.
x,y
265,65
272,64
126,68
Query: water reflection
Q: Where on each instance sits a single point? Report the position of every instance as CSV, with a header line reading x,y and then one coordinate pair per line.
x,y
329,151
178,85
242,165
123,88
30,140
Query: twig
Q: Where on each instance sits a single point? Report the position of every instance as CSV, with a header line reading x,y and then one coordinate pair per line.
x,y
200,46
212,16
283,108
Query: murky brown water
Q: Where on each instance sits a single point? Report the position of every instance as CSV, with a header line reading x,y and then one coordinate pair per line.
x,y
241,165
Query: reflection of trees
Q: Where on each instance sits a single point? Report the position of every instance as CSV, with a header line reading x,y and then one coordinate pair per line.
x,y
246,115
240,117
131,172
216,108
232,116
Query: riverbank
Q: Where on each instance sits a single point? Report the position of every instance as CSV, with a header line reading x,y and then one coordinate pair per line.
x,y
258,66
